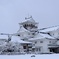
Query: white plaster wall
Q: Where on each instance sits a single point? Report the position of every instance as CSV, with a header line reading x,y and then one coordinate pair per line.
x,y
23,35
44,45
58,42
53,41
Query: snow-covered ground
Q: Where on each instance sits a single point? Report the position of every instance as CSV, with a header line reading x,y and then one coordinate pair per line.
x,y
28,56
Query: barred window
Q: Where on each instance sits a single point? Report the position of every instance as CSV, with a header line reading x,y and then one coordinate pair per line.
x,y
41,41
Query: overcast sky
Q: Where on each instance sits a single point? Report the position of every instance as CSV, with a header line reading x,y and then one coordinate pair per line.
x,y
46,12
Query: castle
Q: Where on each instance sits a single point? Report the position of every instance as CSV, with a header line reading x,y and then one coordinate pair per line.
x,y
31,39
42,40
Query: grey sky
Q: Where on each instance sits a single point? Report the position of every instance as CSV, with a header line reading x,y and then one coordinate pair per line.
x,y
46,12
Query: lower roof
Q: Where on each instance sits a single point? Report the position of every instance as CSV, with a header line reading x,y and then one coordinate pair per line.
x,y
42,36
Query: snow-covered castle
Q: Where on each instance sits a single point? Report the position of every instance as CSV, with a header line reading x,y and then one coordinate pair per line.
x,y
41,40
31,39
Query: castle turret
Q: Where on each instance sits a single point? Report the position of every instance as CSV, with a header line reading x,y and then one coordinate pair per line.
x,y
29,24
28,28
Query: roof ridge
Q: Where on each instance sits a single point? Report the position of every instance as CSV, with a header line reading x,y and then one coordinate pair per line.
x,y
48,27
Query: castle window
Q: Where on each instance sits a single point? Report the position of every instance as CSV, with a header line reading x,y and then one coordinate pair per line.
x,y
39,49
35,42
25,26
41,41
49,41
18,35
33,33
49,33
24,47
35,26
36,49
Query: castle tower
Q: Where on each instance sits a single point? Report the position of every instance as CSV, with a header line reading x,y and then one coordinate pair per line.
x,y
28,27
29,24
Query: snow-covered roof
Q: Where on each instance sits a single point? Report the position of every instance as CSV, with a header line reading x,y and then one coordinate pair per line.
x,y
35,38
42,36
3,37
47,36
50,29
17,39
29,20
